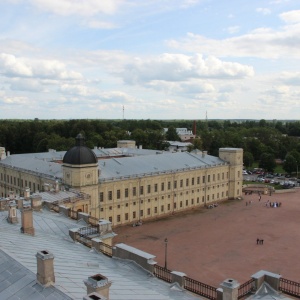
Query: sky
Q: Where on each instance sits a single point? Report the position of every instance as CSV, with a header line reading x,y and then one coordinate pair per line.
x,y
150,59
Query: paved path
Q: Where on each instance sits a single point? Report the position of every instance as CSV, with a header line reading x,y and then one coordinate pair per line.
x,y
211,245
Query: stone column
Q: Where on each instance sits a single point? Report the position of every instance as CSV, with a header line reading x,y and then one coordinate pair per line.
x,y
230,289
12,213
45,268
27,221
98,284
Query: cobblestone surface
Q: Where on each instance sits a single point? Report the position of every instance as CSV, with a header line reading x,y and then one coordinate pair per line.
x,y
211,245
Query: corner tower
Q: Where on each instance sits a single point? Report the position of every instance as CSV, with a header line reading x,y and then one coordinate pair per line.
x,y
234,156
80,171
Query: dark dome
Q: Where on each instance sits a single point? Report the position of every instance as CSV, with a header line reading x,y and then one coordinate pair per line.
x,y
80,154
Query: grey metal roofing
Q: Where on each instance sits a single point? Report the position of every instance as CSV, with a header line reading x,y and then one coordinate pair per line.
x,y
155,164
17,282
148,162
74,262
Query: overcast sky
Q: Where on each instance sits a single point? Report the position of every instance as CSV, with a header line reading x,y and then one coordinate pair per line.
x,y
159,59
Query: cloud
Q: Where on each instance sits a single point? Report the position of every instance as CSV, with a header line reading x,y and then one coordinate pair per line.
x,y
290,78
78,7
261,42
24,84
12,66
179,67
264,11
233,29
291,16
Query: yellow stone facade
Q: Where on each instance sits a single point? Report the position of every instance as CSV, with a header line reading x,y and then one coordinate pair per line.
x,y
130,200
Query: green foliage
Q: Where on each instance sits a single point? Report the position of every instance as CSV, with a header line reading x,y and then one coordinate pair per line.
x,y
267,162
277,138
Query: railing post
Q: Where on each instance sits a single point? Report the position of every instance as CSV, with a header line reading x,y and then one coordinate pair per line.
x,y
178,277
230,289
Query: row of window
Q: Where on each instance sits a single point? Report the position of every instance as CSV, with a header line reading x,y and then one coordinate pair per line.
x,y
126,192
208,198
155,209
19,182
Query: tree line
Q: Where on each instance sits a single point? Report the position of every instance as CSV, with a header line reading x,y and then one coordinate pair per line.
x,y
262,141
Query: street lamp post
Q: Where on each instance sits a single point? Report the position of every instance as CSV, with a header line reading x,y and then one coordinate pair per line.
x,y
166,252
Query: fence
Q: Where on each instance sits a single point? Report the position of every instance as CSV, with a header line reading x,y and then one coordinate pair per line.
x,y
162,273
289,287
246,288
200,288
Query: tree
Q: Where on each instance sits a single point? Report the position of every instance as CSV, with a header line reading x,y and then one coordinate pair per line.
x,y
171,134
290,164
248,159
267,162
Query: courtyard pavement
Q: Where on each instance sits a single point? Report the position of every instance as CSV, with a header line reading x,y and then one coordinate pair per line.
x,y
211,245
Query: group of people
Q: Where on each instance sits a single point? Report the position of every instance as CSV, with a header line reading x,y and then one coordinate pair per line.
x,y
212,205
273,204
259,241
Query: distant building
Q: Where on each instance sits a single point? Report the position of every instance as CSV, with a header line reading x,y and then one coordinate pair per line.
x,y
126,185
184,134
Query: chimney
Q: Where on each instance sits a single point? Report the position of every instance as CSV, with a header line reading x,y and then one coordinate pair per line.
x,y
94,296
45,268
56,186
36,202
27,192
98,284
27,221
12,195
12,213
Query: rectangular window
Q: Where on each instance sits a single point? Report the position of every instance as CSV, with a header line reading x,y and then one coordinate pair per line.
x,y
118,194
186,202
141,190
118,218
175,205
198,199
34,187
15,180
180,203
110,219
155,188
141,213
155,210
222,176
193,181
169,206
187,182
134,215
198,180
162,208
169,185
109,195
148,211
134,191
203,179
126,217
214,177
218,176
208,178
126,193
175,184
162,186
181,182
149,188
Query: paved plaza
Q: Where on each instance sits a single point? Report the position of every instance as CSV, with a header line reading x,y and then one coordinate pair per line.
x,y
211,245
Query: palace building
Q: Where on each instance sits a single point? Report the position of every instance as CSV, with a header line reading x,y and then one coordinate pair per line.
x,y
127,185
